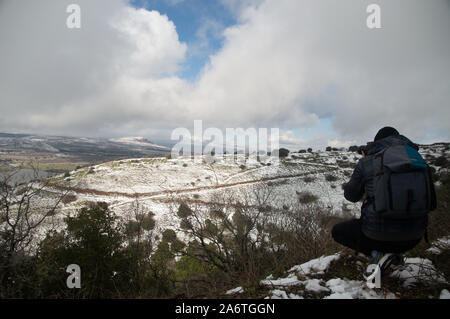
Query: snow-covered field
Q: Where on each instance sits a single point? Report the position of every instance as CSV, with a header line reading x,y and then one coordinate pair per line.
x,y
153,181
156,183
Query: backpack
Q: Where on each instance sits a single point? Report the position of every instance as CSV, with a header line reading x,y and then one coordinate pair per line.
x,y
403,195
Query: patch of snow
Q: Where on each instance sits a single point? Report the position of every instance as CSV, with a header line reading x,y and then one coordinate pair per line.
x,y
416,270
237,290
314,285
445,294
440,245
352,289
136,140
279,294
291,280
294,296
315,266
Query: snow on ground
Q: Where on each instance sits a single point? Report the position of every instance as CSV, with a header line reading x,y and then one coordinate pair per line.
x,y
236,290
156,183
353,289
445,294
417,270
315,266
303,280
154,178
137,140
335,288
440,245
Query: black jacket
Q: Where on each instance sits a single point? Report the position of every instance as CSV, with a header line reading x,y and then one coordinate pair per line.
x,y
361,181
361,184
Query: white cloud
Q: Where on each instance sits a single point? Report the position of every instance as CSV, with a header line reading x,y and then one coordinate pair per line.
x,y
287,64
174,2
292,61
115,74
153,42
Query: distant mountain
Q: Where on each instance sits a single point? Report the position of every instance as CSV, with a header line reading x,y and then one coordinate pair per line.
x,y
137,140
79,148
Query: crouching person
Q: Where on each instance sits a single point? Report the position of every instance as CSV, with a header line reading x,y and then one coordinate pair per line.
x,y
399,194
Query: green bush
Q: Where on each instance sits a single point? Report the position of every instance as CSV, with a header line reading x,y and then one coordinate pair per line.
x,y
306,197
309,179
184,210
94,240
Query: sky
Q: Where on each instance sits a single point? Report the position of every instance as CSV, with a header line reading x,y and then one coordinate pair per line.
x,y
311,68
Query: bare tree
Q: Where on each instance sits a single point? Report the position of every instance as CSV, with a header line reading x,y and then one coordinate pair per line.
x,y
24,208
244,233
229,234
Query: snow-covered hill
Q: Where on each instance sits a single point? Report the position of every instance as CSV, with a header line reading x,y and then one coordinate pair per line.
x,y
157,183
139,140
154,180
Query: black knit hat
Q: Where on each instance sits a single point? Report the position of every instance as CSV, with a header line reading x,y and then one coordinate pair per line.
x,y
385,132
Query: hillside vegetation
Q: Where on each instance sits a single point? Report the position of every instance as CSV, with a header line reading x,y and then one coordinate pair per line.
x,y
173,228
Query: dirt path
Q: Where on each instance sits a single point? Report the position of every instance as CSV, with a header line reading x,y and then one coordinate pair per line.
x,y
150,195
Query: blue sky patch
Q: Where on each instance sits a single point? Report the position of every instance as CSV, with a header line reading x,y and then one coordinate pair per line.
x,y
199,24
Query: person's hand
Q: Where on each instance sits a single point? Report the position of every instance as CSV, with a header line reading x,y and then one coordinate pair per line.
x,y
363,154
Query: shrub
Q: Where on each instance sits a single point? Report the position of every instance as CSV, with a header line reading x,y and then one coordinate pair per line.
x,y
184,211
441,161
309,179
147,222
132,228
353,148
69,198
282,152
306,197
169,235
330,178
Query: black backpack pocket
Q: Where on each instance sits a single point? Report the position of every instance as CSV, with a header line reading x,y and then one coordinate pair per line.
x,y
408,195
